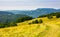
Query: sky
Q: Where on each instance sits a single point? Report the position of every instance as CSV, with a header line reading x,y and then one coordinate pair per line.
x,y
28,4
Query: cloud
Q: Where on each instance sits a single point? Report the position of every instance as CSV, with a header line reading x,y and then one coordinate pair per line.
x,y
27,4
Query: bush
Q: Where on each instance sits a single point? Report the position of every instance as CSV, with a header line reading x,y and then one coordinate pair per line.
x,y
12,24
3,25
35,22
58,16
30,23
50,17
40,21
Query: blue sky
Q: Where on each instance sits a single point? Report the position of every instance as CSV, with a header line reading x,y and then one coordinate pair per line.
x,y
28,4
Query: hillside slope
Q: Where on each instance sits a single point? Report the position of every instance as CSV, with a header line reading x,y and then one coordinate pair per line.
x,y
35,13
49,28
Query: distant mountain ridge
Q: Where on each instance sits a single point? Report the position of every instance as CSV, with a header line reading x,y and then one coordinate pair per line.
x,y
6,16
13,15
37,12
6,13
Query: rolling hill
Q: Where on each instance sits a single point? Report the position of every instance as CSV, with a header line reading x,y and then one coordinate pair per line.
x,y
9,16
35,13
57,14
12,15
5,13
49,28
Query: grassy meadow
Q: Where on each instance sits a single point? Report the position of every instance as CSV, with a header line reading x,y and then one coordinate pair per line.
x,y
49,28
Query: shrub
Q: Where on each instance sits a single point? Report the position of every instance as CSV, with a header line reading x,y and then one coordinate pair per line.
x,y
58,16
35,22
30,23
40,21
12,24
3,25
50,17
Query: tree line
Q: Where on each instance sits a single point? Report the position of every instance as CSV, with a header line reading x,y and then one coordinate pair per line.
x,y
19,20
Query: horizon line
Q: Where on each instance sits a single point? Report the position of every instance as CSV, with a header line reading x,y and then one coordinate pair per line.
x,y
25,9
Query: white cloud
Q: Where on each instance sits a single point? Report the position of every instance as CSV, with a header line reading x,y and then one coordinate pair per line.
x,y
28,4
18,7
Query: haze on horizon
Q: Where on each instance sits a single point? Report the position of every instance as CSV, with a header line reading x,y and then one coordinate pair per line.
x,y
28,4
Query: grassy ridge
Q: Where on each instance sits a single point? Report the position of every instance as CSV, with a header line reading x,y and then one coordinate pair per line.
x,y
49,28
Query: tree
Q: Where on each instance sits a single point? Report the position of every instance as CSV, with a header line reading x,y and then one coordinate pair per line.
x,y
35,22
12,24
50,17
2,25
57,15
40,21
22,19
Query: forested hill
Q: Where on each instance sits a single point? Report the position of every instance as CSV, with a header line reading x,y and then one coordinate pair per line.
x,y
57,14
6,13
9,16
35,13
